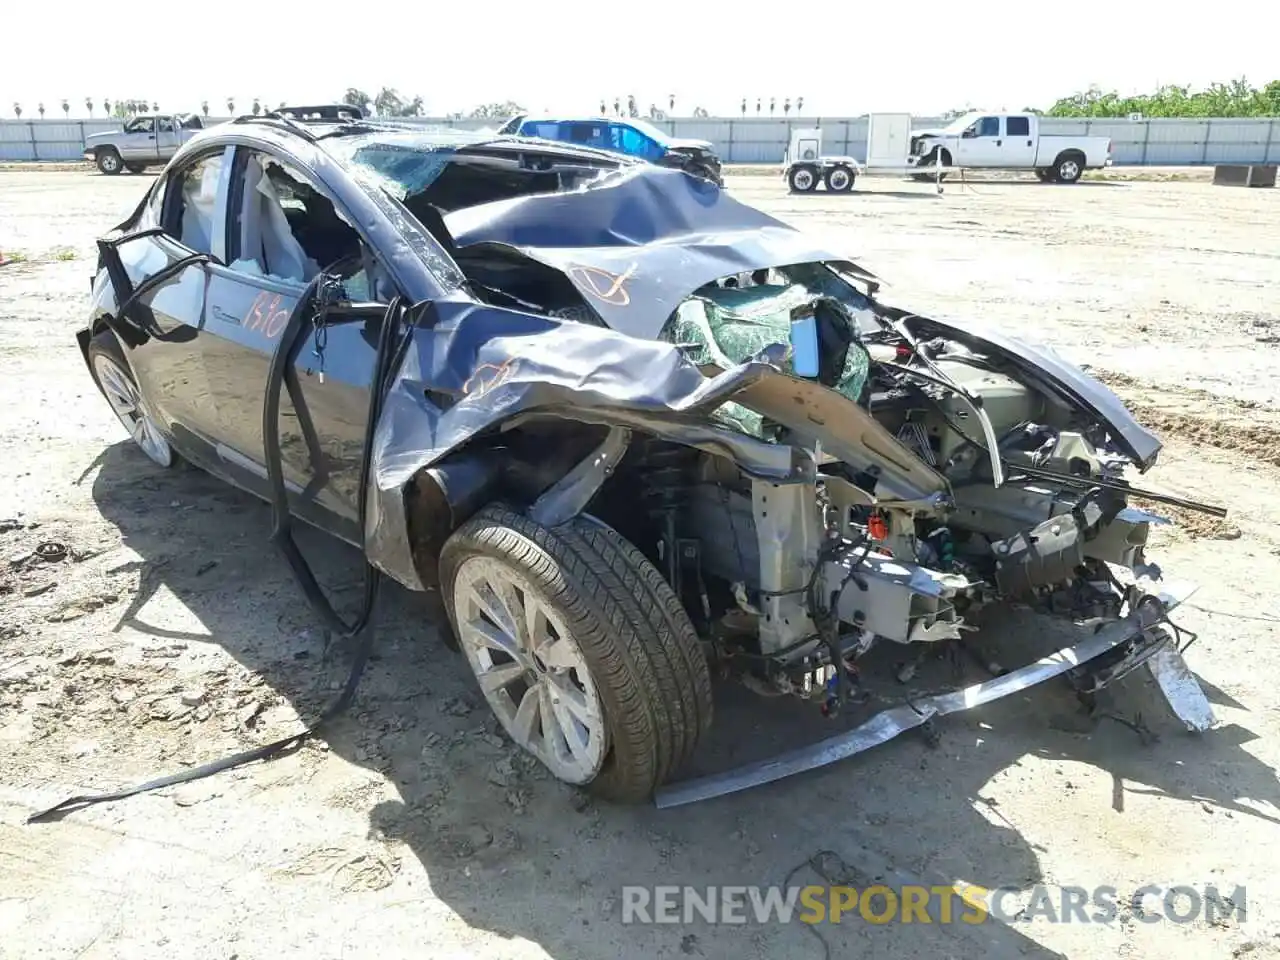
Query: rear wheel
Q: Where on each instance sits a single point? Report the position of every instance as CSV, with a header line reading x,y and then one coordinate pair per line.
x,y
580,648
109,161
1068,168
840,179
115,380
803,178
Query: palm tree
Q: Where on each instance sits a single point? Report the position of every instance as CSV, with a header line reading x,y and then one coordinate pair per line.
x,y
744,106
88,103
257,106
66,108
631,106
40,107
617,105
772,101
106,107
155,107
603,108
799,104
671,103
231,106
786,107
757,106
204,107
17,110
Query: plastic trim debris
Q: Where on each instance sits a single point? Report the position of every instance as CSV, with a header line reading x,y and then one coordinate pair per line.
x,y
888,724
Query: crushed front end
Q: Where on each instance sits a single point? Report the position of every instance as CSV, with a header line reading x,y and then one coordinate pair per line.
x,y
938,471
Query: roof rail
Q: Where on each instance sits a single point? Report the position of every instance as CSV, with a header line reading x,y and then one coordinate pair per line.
x,y
276,120
324,111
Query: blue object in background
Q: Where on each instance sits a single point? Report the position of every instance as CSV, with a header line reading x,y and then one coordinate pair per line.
x,y
804,344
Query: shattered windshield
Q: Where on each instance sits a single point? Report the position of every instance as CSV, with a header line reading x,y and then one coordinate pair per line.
x,y
454,169
404,164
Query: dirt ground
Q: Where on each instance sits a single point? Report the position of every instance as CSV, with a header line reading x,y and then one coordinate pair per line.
x,y
170,635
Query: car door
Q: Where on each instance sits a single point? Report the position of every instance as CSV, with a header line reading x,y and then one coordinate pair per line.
x,y
167,138
138,141
281,228
182,221
981,143
1019,144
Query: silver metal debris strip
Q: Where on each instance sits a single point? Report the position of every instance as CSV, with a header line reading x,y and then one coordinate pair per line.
x,y
1170,671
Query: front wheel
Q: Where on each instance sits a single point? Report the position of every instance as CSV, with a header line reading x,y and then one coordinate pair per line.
x,y
840,179
109,161
580,648
934,159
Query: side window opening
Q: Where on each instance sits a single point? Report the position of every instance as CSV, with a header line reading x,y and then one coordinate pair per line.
x,y
286,229
989,127
141,125
1017,126
195,196
165,124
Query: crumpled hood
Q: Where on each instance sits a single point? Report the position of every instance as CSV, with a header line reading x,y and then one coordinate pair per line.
x,y
638,243
685,144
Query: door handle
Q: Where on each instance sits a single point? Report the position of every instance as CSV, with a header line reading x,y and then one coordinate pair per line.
x,y
998,142
1028,143
151,136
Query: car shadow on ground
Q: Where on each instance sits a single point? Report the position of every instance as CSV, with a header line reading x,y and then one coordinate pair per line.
x,y
517,854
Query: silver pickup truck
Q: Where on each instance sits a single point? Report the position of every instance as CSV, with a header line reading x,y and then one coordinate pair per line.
x,y
145,141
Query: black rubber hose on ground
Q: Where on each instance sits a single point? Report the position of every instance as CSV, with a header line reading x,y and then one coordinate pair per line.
x,y
281,534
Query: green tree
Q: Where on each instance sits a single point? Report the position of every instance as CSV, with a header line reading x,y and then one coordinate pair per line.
x,y
497,111
1234,99
357,98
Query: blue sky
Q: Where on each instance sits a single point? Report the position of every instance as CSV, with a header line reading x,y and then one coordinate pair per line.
x,y
845,58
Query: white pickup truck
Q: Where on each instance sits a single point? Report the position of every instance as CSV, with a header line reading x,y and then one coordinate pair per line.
x,y
145,141
1009,141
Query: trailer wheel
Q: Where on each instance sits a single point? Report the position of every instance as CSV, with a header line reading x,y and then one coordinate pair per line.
x,y
840,179
803,178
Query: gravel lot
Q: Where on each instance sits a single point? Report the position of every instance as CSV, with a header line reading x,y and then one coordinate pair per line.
x,y
170,635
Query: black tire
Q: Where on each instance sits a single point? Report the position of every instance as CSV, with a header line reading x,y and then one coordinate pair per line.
x,y
803,178
645,659
839,178
108,161
136,167
105,344
1068,168
932,160
704,172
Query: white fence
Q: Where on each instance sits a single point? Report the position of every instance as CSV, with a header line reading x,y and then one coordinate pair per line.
x,y
764,139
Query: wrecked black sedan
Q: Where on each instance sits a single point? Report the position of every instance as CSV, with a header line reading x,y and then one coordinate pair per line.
x,y
628,427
